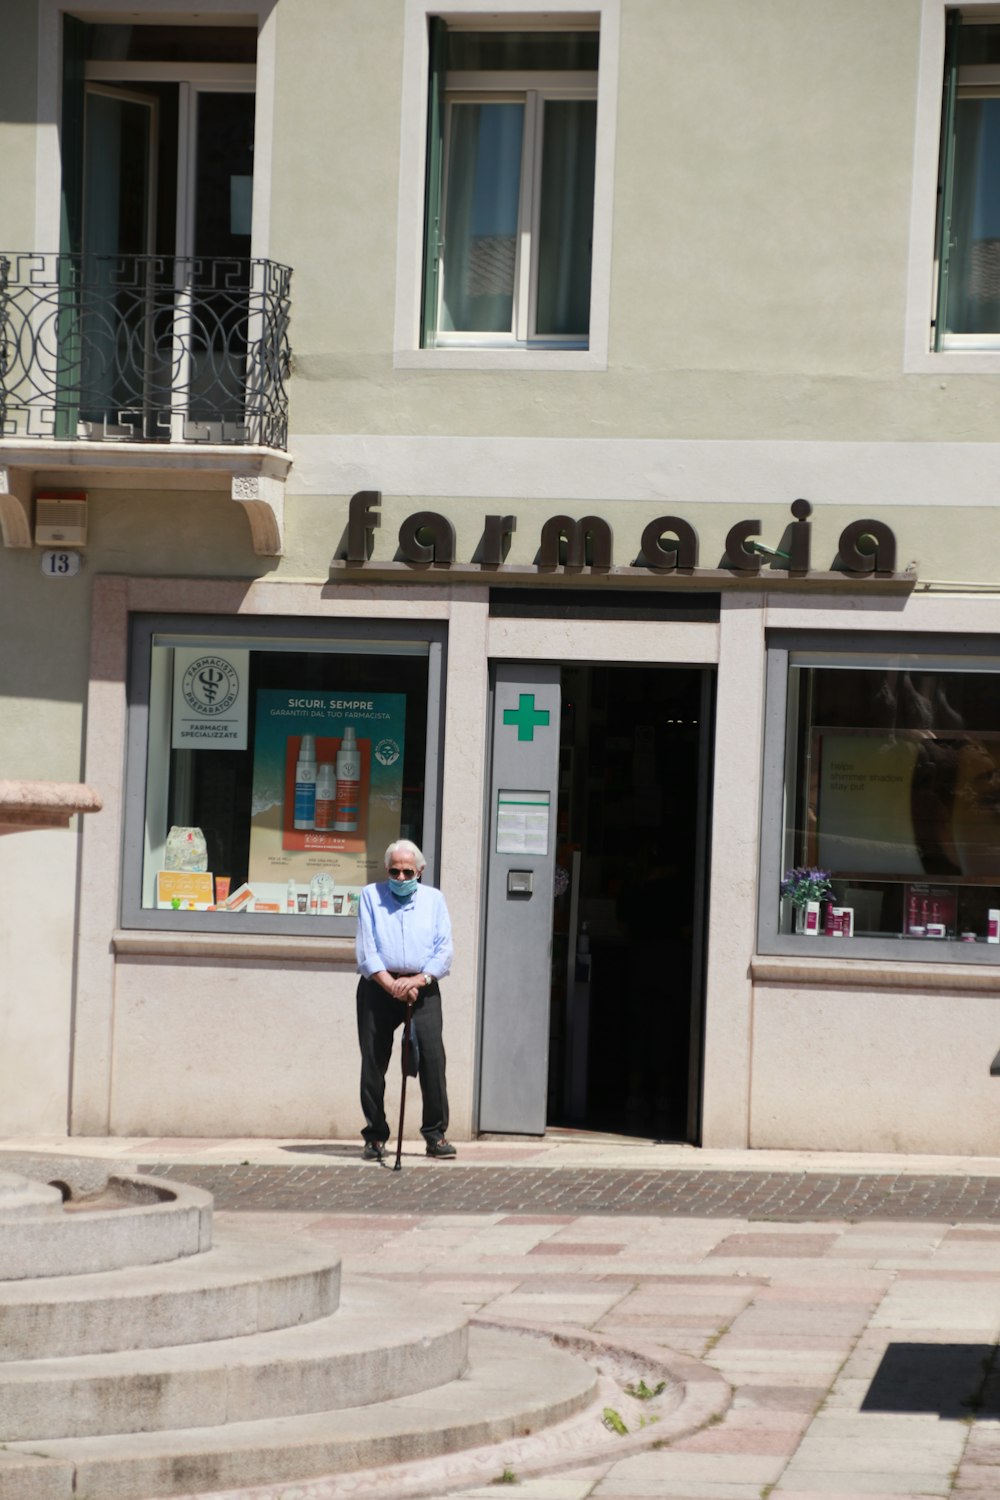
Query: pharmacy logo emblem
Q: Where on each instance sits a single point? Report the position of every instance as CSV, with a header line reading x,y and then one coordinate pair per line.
x,y
387,752
211,686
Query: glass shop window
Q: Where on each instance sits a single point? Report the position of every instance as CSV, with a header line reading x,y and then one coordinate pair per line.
x,y
892,803
274,773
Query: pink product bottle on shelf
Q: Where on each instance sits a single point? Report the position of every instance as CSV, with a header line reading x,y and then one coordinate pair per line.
x,y
326,793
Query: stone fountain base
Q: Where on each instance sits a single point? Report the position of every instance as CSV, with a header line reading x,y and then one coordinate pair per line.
x,y
143,1355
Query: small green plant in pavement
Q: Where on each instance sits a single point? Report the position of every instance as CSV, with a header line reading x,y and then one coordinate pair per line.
x,y
642,1392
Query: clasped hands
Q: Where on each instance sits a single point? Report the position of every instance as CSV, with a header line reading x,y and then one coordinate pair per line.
x,y
407,988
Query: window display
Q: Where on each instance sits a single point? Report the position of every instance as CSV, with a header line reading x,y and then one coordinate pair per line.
x,y
278,764
892,799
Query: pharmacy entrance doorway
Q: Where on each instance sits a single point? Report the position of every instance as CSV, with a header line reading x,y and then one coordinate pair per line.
x,y
596,891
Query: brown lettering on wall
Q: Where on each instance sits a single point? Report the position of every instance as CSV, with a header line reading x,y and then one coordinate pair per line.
x,y
739,559
592,529
427,537
881,559
362,519
680,554
799,537
867,548
497,532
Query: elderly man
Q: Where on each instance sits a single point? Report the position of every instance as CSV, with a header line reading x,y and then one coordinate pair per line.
x,y
404,949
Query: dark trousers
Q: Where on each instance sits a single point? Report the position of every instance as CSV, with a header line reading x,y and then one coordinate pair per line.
x,y
378,1017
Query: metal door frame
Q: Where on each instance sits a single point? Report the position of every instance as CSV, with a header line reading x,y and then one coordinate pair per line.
x,y
703,843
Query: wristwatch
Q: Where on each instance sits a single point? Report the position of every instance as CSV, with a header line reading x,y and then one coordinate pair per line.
x,y
427,978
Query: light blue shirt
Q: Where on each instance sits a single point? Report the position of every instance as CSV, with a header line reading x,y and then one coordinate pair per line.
x,y
404,937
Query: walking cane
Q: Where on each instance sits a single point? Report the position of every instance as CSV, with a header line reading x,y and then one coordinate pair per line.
x,y
407,1025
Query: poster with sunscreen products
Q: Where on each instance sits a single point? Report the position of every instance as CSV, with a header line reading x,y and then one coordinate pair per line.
x,y
327,784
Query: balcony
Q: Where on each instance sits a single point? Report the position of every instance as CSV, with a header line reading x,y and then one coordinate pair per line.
x,y
163,366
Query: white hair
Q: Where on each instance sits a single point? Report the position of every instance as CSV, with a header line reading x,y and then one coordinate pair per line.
x,y
412,852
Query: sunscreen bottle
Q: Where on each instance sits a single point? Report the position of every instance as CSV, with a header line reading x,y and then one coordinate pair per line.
x,y
321,895
305,783
326,791
348,782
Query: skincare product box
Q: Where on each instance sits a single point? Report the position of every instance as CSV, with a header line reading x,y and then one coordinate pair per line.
x,y
181,890
240,900
930,911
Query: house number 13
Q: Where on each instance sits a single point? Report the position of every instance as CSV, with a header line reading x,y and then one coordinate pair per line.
x,y
60,564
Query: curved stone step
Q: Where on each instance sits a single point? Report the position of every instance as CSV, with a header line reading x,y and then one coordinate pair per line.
x,y
374,1348
512,1387
146,1228
245,1284
21,1195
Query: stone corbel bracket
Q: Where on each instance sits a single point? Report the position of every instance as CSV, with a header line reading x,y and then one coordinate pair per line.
x,y
263,499
15,507
43,804
256,480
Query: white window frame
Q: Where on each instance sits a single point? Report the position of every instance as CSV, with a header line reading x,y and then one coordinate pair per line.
x,y
517,351
534,91
965,354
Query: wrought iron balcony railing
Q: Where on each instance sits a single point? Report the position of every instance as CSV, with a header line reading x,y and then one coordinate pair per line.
x,y
144,348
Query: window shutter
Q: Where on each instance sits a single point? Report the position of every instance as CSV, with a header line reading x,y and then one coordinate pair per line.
x,y
71,136
67,409
432,194
946,173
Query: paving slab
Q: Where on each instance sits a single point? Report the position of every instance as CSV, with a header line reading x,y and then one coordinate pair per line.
x,y
849,1302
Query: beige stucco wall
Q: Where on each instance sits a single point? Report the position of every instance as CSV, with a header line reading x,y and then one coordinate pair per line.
x,y
754,291
842,1069
236,1048
38,886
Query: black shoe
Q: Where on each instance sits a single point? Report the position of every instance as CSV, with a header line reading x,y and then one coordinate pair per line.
x,y
441,1148
374,1151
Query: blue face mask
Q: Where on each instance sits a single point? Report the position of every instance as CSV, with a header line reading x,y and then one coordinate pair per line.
x,y
403,889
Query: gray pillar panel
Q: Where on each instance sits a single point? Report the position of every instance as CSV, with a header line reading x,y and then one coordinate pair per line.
x,y
516,984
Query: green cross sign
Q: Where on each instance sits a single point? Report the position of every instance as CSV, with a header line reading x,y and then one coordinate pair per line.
x,y
526,716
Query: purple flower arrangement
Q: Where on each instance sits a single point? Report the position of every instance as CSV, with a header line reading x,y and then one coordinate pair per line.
x,y
802,885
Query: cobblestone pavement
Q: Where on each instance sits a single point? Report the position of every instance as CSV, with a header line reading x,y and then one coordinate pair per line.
x,y
448,1188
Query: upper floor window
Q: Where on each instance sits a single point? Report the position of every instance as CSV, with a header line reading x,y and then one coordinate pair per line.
x,y
509,214
968,281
